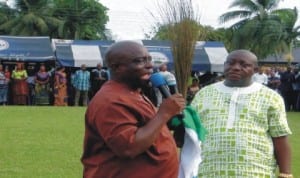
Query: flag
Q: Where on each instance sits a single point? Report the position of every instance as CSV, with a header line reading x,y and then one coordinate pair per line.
x,y
190,155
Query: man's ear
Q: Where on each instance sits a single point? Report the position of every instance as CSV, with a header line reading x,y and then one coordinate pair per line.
x,y
117,67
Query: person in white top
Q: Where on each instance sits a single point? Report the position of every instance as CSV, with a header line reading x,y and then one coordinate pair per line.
x,y
260,77
169,77
247,128
170,81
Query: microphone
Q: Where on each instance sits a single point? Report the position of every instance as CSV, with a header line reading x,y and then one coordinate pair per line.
x,y
159,82
171,82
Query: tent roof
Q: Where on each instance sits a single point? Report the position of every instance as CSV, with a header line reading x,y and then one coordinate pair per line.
x,y
74,53
208,55
22,48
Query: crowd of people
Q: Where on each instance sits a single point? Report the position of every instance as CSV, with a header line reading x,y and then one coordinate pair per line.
x,y
60,88
31,86
285,81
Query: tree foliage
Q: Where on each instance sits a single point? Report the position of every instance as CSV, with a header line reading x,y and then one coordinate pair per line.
x,y
6,13
81,19
69,19
261,24
31,18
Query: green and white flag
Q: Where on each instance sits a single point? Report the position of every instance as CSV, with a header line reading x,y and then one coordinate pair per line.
x,y
190,156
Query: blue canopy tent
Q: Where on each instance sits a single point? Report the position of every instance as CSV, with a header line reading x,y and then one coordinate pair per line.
x,y
208,56
26,49
160,51
74,53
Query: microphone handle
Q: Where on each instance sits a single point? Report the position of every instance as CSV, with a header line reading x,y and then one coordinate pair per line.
x,y
173,89
165,91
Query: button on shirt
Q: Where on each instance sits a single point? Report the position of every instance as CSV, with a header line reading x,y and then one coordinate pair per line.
x,y
82,80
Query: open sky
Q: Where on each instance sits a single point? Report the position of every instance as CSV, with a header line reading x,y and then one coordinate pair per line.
x,y
131,19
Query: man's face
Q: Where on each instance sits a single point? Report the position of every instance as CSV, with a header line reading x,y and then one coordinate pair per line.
x,y
19,66
42,68
239,69
137,68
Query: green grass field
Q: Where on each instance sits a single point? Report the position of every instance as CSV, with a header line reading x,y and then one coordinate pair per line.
x,y
41,141
47,141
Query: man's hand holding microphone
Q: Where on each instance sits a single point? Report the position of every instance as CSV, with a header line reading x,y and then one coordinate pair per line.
x,y
172,105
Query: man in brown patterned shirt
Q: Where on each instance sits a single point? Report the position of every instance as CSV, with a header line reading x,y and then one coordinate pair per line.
x,y
125,135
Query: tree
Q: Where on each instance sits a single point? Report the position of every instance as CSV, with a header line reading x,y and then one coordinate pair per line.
x,y
206,33
82,19
6,13
70,19
259,26
159,32
288,39
224,35
32,17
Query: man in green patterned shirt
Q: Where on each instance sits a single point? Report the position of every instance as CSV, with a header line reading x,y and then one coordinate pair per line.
x,y
246,124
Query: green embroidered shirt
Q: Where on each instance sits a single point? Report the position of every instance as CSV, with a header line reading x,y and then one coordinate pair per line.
x,y
240,123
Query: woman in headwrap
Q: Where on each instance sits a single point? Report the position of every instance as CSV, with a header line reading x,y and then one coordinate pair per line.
x,y
42,86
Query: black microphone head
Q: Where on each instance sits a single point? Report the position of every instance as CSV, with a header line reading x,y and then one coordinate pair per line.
x,y
157,80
